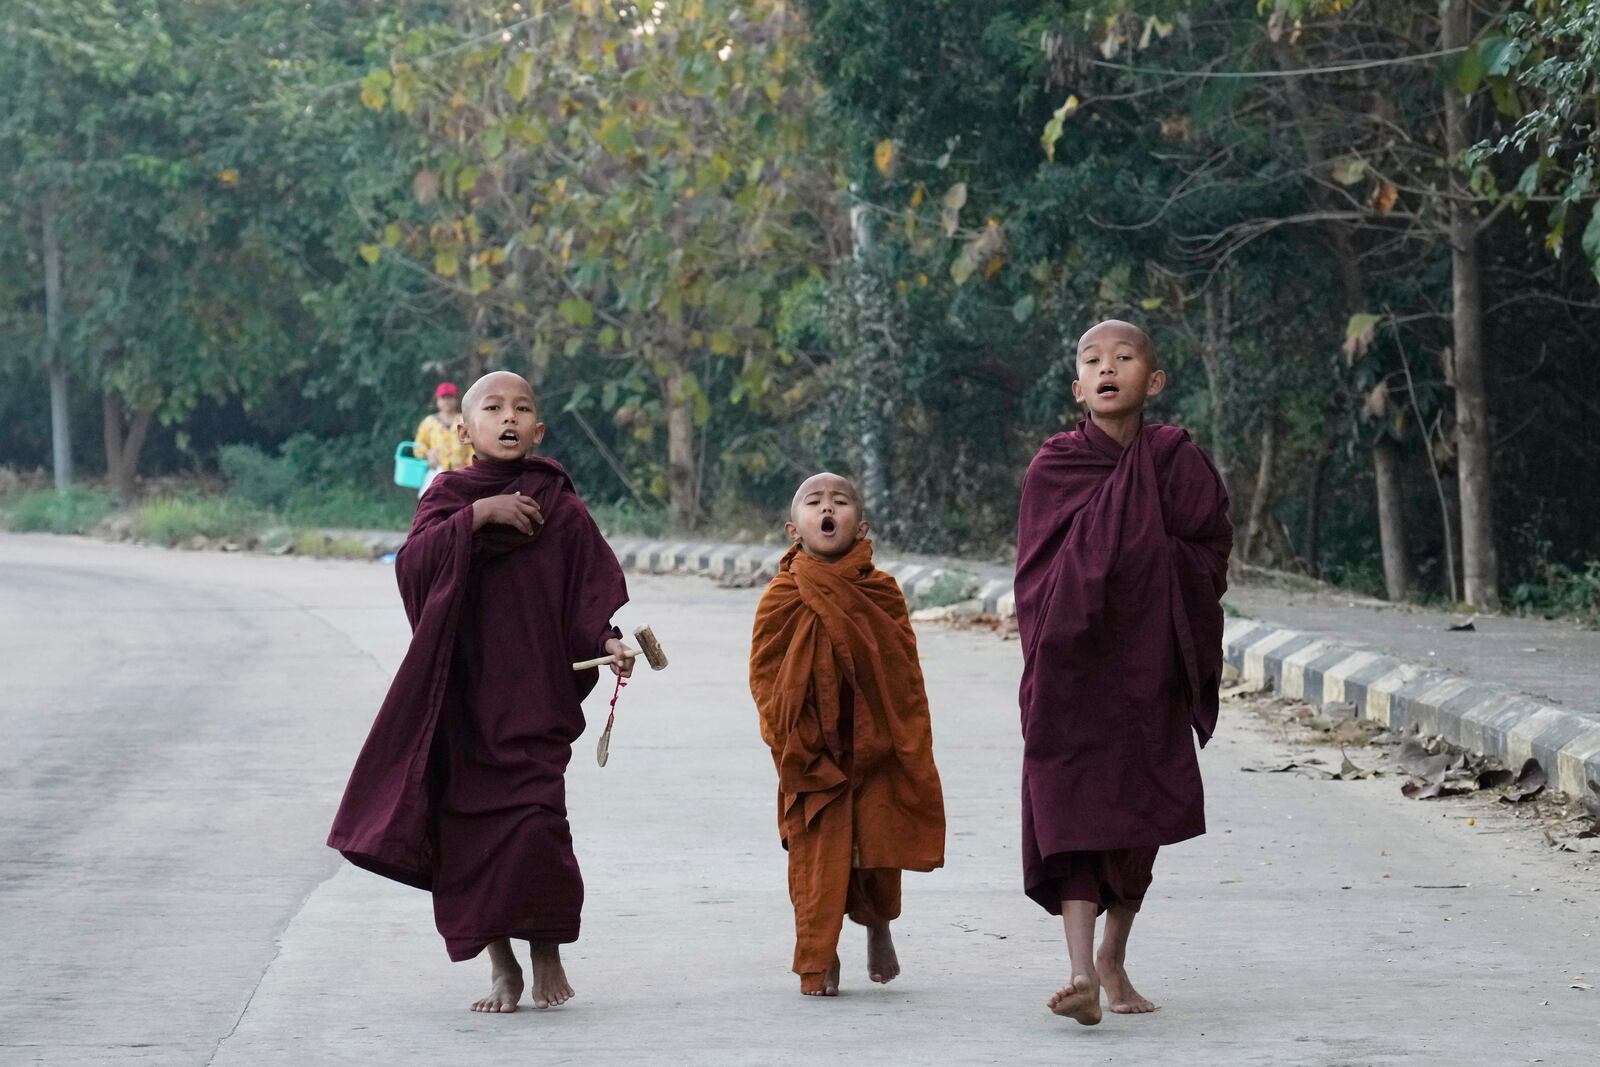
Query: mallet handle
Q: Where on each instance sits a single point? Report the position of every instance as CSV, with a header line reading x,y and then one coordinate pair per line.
x,y
600,661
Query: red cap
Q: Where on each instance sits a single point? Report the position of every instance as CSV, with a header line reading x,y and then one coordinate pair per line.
x,y
446,389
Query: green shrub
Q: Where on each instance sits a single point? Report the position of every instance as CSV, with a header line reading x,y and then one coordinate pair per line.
x,y
352,506
629,519
951,587
308,484
175,520
1561,590
253,476
68,511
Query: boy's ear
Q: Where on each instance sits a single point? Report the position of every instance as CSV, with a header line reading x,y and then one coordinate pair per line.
x,y
1077,390
461,432
862,529
538,433
1158,382
791,531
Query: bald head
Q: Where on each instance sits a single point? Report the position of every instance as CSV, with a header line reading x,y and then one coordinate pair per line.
x,y
825,484
500,417
498,383
825,517
1110,333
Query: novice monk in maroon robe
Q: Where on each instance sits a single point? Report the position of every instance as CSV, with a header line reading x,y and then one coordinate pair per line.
x,y
1122,556
460,787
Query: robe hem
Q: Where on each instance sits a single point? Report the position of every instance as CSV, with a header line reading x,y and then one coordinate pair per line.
x,y
462,949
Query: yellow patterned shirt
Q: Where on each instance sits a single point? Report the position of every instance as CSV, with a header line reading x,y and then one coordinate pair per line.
x,y
439,444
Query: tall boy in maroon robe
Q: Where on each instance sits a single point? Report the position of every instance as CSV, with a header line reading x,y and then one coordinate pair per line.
x,y
1122,556
460,788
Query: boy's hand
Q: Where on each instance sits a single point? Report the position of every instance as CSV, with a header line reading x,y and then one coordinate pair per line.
x,y
509,509
622,666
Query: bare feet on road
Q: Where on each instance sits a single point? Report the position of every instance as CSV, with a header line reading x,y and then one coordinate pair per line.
x,y
883,965
1079,1001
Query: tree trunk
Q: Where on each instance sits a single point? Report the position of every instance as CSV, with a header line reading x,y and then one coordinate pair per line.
x,y
1314,493
123,444
1474,437
1391,527
1352,284
60,413
1211,347
683,495
1261,500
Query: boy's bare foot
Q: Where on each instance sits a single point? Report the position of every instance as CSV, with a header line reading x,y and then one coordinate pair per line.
x,y
1079,1001
821,984
550,987
1120,994
883,965
505,988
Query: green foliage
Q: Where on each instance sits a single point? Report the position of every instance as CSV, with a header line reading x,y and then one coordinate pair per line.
x,y
309,483
1562,591
628,519
178,520
1550,55
72,511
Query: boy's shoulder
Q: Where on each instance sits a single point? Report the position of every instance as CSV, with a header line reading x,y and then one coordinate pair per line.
x,y
1176,450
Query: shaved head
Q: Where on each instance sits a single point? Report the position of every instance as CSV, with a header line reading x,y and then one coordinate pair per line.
x,y
822,482
826,517
496,380
1112,331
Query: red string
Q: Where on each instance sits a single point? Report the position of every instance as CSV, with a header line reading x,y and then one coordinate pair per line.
x,y
615,693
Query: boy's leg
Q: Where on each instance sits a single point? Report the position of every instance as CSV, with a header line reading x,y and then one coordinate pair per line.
x,y
1128,874
550,986
819,880
1079,999
874,902
505,978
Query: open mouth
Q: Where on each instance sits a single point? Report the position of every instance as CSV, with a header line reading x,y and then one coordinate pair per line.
x,y
1107,389
509,437
828,526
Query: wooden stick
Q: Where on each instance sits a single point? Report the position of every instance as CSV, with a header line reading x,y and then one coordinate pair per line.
x,y
600,661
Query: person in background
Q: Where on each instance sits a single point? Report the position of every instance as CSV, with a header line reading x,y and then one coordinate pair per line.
x,y
438,440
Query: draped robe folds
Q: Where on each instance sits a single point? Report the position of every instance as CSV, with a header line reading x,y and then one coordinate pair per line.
x,y
835,676
1122,557
460,787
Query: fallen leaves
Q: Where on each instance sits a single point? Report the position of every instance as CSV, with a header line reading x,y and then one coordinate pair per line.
x,y
1436,771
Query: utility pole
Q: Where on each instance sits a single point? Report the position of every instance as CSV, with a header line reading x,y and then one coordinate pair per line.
x,y
869,316
60,425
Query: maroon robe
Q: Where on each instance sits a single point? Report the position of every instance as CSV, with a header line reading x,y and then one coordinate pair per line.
x,y
1122,556
460,787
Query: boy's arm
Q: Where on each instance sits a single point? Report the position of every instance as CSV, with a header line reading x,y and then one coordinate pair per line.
x,y
595,586
1201,537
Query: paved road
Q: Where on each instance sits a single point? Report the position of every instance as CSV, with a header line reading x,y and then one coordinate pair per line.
x,y
174,733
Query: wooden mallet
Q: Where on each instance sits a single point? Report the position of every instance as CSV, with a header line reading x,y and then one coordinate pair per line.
x,y
650,649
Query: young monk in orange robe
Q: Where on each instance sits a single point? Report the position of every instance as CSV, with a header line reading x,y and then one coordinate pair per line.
x,y
834,673
1122,556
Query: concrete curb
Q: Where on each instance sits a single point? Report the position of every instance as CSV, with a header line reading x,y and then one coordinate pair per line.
x,y
1477,716
919,581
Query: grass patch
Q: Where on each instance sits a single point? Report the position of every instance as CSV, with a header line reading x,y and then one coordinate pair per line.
x,y
69,511
315,543
352,508
179,519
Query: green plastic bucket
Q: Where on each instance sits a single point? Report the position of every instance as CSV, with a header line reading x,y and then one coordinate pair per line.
x,y
409,470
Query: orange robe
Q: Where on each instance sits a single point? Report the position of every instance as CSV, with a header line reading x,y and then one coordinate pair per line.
x,y
834,673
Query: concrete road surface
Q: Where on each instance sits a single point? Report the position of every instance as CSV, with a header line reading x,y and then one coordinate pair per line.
x,y
175,729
